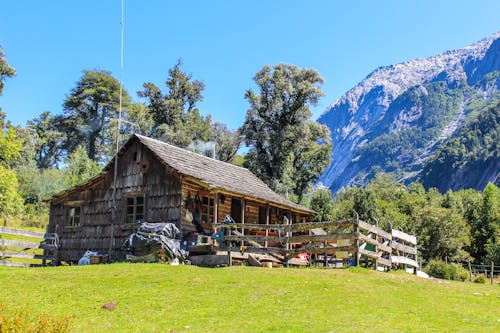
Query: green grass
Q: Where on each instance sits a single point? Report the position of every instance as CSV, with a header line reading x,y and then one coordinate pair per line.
x,y
162,298
18,249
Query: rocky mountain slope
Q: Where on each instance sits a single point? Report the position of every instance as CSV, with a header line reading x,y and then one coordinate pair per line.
x,y
400,116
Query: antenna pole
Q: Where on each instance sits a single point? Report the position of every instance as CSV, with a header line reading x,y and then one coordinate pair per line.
x,y
117,134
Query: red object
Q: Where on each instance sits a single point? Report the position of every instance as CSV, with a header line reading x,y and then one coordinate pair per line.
x,y
303,256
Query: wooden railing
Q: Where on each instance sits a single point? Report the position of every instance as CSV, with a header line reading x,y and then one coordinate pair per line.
x,y
15,248
342,240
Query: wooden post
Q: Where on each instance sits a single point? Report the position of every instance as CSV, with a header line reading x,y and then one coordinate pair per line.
x,y
356,241
243,208
267,223
375,263
470,270
216,211
492,272
230,259
325,264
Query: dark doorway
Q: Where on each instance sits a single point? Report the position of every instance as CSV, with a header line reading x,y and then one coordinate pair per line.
x,y
236,210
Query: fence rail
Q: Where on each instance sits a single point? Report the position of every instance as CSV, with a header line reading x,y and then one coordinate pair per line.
x,y
349,239
16,249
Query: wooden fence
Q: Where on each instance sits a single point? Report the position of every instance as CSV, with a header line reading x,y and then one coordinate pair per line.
x,y
328,244
21,249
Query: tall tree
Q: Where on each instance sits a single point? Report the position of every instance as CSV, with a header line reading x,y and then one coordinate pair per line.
x,y
227,142
274,126
176,117
5,70
48,140
89,111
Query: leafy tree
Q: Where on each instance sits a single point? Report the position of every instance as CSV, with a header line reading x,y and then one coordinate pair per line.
x,y
79,168
442,233
175,117
47,140
10,145
88,113
227,142
5,70
322,204
11,202
274,127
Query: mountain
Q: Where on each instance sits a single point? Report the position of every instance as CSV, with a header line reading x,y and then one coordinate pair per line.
x,y
400,116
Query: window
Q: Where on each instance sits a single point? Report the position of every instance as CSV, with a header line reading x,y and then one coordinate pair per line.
x,y
73,217
262,215
135,208
207,215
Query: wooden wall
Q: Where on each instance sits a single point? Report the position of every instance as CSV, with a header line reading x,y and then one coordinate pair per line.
x,y
162,190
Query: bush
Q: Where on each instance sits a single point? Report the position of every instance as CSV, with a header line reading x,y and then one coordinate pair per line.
x,y
481,278
439,269
24,321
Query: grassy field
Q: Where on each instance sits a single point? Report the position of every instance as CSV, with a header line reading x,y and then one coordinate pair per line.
x,y
162,298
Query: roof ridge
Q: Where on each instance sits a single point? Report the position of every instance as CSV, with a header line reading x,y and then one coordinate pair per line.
x,y
191,152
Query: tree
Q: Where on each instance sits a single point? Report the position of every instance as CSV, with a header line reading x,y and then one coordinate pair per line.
x,y
80,168
227,142
48,141
5,70
442,233
89,111
175,116
322,204
274,127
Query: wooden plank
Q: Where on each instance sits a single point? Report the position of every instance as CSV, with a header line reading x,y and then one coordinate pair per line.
x,y
369,254
404,248
374,229
28,245
385,248
404,260
237,233
321,250
253,261
21,232
289,227
14,264
320,238
25,255
255,238
404,236
384,262
367,239
249,249
315,225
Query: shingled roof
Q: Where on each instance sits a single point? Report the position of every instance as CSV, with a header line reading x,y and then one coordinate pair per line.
x,y
215,174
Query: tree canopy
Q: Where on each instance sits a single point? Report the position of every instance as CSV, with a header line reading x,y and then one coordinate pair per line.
x,y
287,151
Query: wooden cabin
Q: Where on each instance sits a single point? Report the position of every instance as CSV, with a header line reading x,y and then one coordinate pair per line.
x,y
158,182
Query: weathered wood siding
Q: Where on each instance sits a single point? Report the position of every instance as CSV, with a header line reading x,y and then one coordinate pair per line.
x,y
138,172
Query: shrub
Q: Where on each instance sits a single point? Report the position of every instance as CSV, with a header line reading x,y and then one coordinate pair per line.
x,y
439,269
24,321
481,278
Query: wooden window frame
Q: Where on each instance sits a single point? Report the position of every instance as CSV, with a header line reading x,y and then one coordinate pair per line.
x,y
135,211
74,217
207,210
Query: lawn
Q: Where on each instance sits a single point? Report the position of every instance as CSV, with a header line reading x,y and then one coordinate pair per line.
x,y
162,298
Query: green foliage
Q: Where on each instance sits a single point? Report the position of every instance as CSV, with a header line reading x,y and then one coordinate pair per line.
x,y
227,142
10,145
5,70
79,168
175,116
322,204
47,139
480,278
475,147
442,233
439,269
286,150
11,202
88,113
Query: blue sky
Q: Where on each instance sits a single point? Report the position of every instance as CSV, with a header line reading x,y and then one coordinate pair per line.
x,y
222,43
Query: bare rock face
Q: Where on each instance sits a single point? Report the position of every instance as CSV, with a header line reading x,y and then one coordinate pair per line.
x,y
399,115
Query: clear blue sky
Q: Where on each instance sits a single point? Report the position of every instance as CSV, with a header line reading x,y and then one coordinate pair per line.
x,y
222,43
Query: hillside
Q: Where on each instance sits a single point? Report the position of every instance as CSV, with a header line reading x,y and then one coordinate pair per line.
x,y
397,118
161,298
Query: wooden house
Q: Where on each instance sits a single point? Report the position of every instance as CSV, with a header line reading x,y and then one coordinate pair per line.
x,y
158,182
